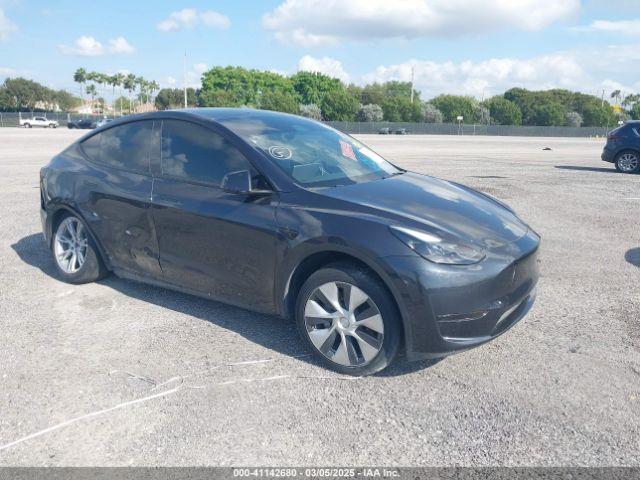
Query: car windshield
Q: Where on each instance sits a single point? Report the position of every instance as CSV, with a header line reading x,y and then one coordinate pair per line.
x,y
312,154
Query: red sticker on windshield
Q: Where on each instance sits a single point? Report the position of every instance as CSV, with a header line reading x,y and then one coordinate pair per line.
x,y
347,150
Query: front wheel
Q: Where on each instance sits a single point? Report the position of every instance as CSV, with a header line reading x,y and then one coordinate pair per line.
x,y
75,253
348,319
628,162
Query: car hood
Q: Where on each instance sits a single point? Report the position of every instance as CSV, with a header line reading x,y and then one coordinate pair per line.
x,y
428,203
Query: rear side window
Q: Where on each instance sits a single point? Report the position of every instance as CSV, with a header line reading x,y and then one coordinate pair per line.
x,y
126,146
192,152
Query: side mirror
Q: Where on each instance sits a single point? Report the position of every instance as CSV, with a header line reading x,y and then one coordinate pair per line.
x,y
240,183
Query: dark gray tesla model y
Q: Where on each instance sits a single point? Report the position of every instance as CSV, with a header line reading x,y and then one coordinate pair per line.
x,y
280,214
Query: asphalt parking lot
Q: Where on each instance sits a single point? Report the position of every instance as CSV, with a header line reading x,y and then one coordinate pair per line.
x,y
118,373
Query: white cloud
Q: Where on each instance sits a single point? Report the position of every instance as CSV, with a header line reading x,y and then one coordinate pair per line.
x,y
120,45
84,46
170,81
320,22
7,27
586,71
88,46
190,17
215,19
328,66
623,27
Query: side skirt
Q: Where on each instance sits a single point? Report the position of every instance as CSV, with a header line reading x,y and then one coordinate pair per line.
x,y
128,275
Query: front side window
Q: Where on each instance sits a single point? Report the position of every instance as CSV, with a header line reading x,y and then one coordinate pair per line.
x,y
195,153
311,154
126,146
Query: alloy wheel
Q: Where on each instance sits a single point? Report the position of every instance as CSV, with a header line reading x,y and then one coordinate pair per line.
x,y
344,324
70,245
628,162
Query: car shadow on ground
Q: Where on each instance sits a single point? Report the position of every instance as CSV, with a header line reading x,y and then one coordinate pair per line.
x,y
270,331
633,256
587,169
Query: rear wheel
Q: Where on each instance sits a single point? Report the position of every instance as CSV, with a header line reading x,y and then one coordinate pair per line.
x,y
348,319
74,252
628,162
27,125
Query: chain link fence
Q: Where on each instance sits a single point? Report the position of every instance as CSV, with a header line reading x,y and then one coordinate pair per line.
x,y
12,119
462,129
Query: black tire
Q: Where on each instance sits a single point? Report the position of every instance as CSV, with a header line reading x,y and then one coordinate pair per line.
x,y
27,125
92,269
376,291
626,170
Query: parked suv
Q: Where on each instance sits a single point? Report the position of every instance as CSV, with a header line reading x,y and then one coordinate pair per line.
x,y
283,215
623,147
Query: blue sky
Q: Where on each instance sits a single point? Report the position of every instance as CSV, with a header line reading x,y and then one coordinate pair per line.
x,y
477,47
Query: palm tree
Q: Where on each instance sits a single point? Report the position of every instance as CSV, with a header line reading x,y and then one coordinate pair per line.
x,y
129,85
91,90
155,86
119,79
140,84
102,80
616,95
80,77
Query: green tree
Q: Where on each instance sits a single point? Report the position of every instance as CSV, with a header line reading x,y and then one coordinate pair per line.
x,y
92,91
635,111
65,101
595,115
549,114
23,94
453,106
615,95
313,87
400,109
340,105
80,77
504,112
279,101
373,93
174,98
129,84
396,89
242,86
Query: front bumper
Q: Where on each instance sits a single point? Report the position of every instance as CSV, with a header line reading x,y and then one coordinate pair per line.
x,y
453,308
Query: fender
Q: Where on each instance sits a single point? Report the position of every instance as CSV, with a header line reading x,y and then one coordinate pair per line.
x,y
53,210
305,250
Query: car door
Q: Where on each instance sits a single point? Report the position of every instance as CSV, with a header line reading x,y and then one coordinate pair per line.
x,y
212,242
114,196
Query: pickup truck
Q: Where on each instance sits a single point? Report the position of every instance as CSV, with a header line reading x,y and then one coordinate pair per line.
x,y
38,122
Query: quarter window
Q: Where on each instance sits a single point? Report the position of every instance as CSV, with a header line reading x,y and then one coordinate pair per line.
x,y
196,153
126,146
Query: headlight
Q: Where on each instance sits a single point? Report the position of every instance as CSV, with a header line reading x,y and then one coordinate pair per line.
x,y
435,249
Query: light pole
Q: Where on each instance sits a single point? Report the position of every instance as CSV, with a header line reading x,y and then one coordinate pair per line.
x,y
412,79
